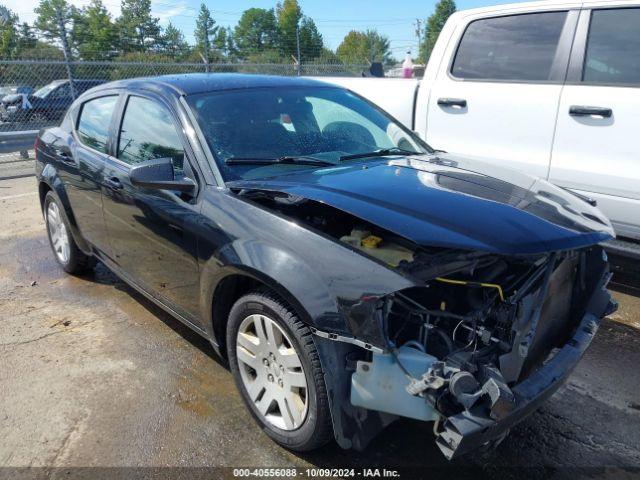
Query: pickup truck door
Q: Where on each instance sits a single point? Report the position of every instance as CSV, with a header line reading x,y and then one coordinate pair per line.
x,y
595,149
495,95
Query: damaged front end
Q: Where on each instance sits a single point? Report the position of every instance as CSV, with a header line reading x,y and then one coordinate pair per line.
x,y
482,342
477,342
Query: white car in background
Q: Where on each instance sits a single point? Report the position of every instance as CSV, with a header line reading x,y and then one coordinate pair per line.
x,y
549,88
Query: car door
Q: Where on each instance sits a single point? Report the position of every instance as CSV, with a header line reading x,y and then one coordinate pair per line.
x,y
497,98
153,232
595,149
80,165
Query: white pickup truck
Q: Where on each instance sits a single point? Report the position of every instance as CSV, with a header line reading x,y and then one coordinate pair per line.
x,y
549,88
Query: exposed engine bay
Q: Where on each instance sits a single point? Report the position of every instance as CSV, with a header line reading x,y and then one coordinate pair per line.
x,y
472,330
475,326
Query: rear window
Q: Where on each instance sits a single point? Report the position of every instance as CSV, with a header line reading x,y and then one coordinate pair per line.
x,y
93,124
516,47
613,47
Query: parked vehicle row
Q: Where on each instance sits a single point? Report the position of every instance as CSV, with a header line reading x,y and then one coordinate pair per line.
x,y
44,106
547,88
350,273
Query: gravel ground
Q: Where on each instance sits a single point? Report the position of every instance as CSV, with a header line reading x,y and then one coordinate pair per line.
x,y
93,375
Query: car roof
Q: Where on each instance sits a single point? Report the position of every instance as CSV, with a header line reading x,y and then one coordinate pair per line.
x,y
193,83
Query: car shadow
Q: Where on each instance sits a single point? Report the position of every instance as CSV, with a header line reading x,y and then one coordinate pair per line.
x,y
102,275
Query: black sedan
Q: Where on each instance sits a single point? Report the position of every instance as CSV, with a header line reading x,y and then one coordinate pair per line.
x,y
349,273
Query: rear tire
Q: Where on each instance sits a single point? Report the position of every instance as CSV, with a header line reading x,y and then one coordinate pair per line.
x,y
277,370
65,249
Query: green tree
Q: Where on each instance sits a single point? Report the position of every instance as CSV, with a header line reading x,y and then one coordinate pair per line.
x,y
311,42
288,14
40,51
205,31
294,26
29,47
48,13
173,42
256,32
94,32
27,37
326,57
139,31
444,9
362,47
223,43
9,40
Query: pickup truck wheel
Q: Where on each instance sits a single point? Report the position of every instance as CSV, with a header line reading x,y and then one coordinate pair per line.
x,y
277,371
64,247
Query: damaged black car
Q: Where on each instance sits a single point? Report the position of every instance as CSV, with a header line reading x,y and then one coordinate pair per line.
x,y
349,273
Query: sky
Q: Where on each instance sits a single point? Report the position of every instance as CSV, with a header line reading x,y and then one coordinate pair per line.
x,y
334,18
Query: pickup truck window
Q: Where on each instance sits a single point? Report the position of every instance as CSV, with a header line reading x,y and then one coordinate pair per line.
x,y
613,47
93,124
515,47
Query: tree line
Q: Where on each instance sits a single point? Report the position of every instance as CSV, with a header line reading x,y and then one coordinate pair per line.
x,y
282,34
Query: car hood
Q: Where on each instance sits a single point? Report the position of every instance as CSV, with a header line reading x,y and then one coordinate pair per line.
x,y
450,201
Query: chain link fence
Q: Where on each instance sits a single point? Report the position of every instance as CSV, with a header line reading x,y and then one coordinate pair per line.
x,y
36,93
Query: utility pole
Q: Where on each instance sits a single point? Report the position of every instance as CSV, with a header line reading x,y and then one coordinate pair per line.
x,y
67,51
298,47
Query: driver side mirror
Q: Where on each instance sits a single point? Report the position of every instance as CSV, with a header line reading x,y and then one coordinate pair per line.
x,y
158,174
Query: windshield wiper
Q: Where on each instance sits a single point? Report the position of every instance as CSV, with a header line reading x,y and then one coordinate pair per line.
x,y
383,152
299,160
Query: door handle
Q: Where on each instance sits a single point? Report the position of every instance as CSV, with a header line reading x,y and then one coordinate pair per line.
x,y
584,111
113,183
452,102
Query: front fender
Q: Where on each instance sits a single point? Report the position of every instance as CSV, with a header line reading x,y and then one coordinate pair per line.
x,y
319,303
333,288
279,269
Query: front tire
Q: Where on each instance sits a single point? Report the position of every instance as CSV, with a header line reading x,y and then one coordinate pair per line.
x,y
64,247
277,370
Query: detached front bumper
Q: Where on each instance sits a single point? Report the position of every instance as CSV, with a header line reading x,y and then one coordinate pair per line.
x,y
468,431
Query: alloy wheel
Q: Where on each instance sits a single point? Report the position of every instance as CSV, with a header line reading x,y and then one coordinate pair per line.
x,y
58,233
271,372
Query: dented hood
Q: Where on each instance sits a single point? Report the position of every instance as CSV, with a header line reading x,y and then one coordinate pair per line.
x,y
450,201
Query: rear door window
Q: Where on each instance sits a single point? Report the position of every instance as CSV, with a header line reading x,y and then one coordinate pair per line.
x,y
517,47
613,47
93,124
147,132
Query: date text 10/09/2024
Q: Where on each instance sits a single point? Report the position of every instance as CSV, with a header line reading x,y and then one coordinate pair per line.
x,y
316,472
